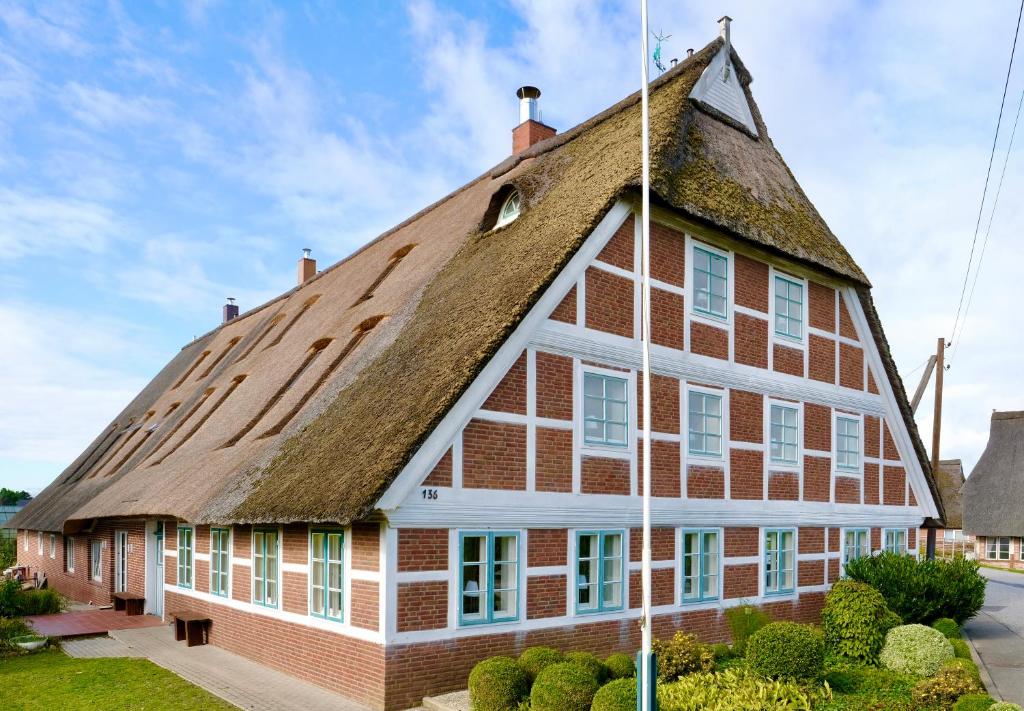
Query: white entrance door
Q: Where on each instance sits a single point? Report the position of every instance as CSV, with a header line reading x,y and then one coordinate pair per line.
x,y
120,561
155,568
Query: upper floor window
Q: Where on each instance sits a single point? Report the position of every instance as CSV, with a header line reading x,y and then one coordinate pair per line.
x,y
998,548
784,434
599,565
710,282
605,402
705,424
185,556
700,565
220,560
488,577
325,580
779,561
265,568
789,308
856,544
848,443
509,209
896,540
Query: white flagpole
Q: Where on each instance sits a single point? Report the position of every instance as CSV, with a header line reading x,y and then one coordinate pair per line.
x,y
645,275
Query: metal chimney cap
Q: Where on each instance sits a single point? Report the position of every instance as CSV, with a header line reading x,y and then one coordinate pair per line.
x,y
306,251
231,299
528,92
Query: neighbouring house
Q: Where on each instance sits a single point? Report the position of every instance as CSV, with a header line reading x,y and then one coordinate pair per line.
x,y
950,539
994,492
7,511
428,453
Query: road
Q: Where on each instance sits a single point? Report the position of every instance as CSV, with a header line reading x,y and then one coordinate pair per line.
x,y
998,633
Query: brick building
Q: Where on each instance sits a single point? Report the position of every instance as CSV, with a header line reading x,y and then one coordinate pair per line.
x,y
992,493
428,453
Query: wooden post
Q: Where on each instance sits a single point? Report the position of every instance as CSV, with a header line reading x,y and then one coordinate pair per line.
x,y
940,369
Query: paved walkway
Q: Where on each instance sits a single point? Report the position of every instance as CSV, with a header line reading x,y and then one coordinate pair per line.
x,y
88,623
235,679
94,647
997,633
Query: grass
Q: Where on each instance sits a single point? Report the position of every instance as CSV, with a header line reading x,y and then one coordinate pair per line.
x,y
1008,570
52,680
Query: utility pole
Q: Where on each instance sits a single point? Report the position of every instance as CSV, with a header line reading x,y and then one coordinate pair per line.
x,y
940,369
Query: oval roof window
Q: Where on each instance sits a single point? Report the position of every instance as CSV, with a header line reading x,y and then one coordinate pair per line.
x,y
509,209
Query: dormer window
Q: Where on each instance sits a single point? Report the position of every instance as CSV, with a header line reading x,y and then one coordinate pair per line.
x,y
509,209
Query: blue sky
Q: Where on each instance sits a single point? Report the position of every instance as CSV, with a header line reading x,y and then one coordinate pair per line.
x,y
155,159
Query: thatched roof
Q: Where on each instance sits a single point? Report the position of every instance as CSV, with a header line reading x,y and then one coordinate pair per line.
x,y
950,480
447,307
995,489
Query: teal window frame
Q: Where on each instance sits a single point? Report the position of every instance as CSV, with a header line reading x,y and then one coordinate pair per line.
x,y
220,561
600,561
701,558
783,434
792,326
777,563
848,457
261,582
700,273
606,403
703,435
321,555
891,540
487,566
186,556
861,544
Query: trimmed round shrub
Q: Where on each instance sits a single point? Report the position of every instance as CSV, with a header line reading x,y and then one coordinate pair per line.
x,y
534,659
744,620
497,684
563,687
945,688
785,650
947,627
589,662
973,702
855,620
1004,706
915,649
620,666
967,665
721,651
960,649
617,695
682,655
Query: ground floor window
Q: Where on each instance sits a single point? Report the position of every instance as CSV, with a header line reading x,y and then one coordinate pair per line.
x,y
856,544
265,568
220,560
96,560
896,541
325,580
779,561
599,563
998,548
53,546
185,557
488,577
69,555
39,542
700,565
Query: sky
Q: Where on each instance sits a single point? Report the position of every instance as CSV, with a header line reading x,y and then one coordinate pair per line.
x,y
158,158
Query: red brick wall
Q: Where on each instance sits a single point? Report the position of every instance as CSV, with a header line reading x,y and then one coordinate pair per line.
x,y
668,254
746,474
566,310
553,470
545,596
851,366
422,605
751,283
705,482
817,479
821,359
788,360
509,395
554,386
600,475
609,304
821,307
547,547
366,546
741,542
422,549
619,250
494,455
664,468
668,312
708,340
783,486
751,341
746,416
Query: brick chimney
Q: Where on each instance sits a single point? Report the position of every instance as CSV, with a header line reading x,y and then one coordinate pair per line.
x,y
530,129
230,309
307,267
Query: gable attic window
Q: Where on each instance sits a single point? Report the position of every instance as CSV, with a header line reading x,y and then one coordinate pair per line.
x,y
288,326
509,209
393,261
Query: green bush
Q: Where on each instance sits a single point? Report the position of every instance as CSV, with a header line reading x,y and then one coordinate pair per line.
x,y
786,650
721,652
682,655
973,702
563,687
1004,706
15,602
915,649
534,659
617,695
922,591
960,649
735,690
967,665
620,666
497,684
890,620
589,662
855,620
947,627
744,621
8,552
942,690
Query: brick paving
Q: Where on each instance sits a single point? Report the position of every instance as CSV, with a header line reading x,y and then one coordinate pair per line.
x,y
235,679
95,647
88,623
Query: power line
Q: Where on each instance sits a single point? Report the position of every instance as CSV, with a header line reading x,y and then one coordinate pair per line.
x,y
988,173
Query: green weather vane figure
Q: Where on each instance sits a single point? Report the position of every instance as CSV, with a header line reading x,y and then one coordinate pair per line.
x,y
659,38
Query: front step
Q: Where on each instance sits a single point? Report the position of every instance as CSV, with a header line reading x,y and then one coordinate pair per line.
x,y
454,701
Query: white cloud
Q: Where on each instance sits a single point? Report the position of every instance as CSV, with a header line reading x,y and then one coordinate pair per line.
x,y
32,223
100,108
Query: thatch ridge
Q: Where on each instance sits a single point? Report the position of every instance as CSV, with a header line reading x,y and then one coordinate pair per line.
x,y
995,488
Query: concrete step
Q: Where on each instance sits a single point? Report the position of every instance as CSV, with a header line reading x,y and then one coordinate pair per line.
x,y
454,701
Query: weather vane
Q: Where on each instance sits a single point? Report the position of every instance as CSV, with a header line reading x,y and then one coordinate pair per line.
x,y
659,38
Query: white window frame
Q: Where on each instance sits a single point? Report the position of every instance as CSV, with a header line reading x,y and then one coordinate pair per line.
x,y
24,542
730,272
606,450
782,338
96,560
836,469
502,219
69,554
989,540
604,378
720,572
781,466
723,395
762,567
39,543
53,546
280,577
327,531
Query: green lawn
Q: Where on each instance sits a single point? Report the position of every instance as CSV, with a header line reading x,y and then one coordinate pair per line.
x,y
52,680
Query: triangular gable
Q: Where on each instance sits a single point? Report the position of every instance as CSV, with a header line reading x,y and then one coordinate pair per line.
x,y
719,88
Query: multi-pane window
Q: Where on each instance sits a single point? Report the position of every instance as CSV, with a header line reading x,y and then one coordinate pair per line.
x,y
325,581
784,434
856,544
488,577
96,560
779,561
605,419
700,565
220,560
53,545
789,308
896,540
848,443
710,282
185,557
998,548
265,568
705,424
599,563
69,554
